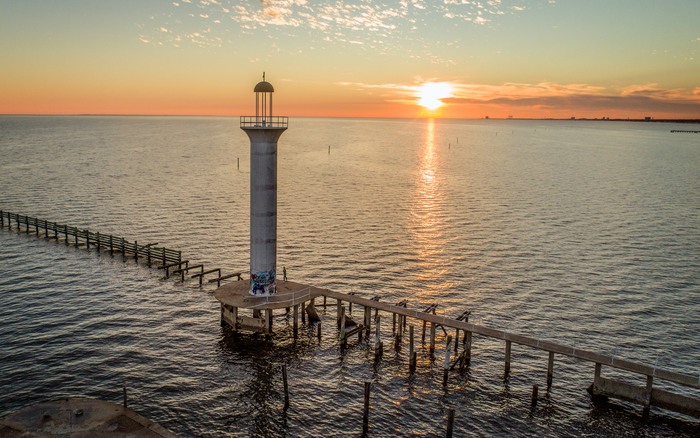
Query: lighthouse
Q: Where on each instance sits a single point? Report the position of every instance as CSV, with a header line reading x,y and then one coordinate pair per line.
x,y
264,130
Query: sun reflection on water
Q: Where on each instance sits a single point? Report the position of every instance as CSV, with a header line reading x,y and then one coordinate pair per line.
x,y
427,224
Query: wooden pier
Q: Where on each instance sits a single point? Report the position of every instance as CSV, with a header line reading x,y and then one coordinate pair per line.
x,y
234,298
151,254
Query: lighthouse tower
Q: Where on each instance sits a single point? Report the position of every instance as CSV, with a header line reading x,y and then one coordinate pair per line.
x,y
264,130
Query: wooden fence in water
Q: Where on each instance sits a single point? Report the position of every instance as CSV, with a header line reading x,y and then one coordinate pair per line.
x,y
154,256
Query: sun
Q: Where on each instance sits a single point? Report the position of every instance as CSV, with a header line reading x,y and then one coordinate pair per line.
x,y
430,94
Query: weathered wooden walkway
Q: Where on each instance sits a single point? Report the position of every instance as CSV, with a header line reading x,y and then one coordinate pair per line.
x,y
302,297
234,298
153,255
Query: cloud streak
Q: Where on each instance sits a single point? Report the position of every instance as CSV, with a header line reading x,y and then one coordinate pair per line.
x,y
372,23
554,97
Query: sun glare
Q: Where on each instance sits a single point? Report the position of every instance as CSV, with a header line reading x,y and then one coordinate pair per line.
x,y
430,94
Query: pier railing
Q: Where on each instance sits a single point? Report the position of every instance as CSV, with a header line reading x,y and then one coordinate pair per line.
x,y
264,121
154,256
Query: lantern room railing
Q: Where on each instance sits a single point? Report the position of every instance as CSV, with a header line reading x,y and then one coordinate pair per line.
x,y
264,122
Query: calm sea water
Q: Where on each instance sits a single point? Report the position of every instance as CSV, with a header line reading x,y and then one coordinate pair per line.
x,y
586,233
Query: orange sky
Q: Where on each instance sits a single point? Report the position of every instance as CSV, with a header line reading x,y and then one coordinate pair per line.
x,y
538,58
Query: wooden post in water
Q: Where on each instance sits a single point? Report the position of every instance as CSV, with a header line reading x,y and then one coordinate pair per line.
x,y
87,238
446,364
647,396
422,338
286,386
46,229
550,370
136,256
338,304
432,338
65,233
123,250
111,245
450,422
75,231
468,347
368,320
98,241
36,227
2,219
533,402
295,325
378,345
507,359
268,320
411,352
341,333
303,312
365,411
148,259
26,224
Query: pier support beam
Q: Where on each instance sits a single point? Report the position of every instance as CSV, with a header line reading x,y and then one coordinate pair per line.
x,y
550,370
507,371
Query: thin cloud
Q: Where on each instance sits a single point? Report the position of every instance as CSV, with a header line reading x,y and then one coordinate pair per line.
x,y
555,97
380,25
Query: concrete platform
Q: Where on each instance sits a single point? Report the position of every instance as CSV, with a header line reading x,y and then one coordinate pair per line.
x,y
79,418
289,293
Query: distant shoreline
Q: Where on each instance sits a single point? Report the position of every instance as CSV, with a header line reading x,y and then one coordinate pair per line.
x,y
577,119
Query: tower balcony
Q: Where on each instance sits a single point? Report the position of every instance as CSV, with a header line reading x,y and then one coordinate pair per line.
x,y
264,122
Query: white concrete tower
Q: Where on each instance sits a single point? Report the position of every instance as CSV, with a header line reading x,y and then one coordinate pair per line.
x,y
263,130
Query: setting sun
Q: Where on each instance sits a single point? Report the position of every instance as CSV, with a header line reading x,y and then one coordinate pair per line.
x,y
430,94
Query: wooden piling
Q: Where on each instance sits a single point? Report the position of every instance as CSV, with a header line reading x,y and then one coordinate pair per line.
x,y
268,321
533,401
468,347
338,305
432,338
319,331
647,396
341,332
365,411
450,422
368,320
446,364
124,387
286,386
411,351
378,346
507,371
295,325
550,370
